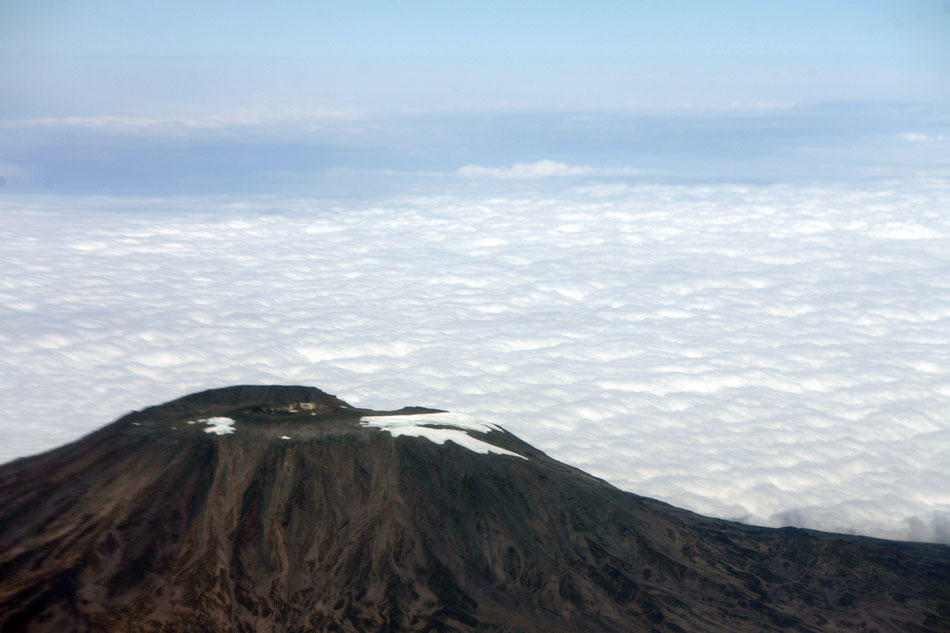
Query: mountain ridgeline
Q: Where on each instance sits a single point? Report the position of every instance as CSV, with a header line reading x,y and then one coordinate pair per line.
x,y
284,509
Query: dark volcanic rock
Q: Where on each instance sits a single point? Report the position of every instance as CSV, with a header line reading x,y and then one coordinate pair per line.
x,y
153,524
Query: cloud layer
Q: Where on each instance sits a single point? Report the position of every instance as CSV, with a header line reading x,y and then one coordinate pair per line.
x,y
775,354
542,169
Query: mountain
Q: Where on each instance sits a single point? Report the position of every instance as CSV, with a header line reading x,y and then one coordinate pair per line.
x,y
284,509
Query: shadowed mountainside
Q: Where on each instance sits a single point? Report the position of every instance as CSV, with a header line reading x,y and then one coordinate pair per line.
x,y
299,516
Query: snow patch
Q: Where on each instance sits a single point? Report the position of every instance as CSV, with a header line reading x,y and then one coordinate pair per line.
x,y
218,426
431,426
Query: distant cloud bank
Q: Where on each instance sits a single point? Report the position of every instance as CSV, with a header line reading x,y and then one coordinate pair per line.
x,y
125,123
540,169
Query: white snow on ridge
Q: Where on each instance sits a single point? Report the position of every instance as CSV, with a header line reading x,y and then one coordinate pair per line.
x,y
422,425
444,418
217,425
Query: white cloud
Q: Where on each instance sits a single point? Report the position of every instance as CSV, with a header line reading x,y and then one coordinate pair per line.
x,y
539,169
772,353
916,137
222,121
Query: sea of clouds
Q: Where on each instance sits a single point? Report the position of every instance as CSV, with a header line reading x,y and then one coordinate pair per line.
x,y
777,354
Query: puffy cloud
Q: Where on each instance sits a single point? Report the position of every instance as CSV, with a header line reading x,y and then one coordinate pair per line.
x,y
540,169
774,354
917,137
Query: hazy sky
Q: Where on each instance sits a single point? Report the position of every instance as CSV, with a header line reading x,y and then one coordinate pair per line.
x,y
319,98
210,57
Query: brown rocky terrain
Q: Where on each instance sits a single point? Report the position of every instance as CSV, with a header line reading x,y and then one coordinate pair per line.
x,y
304,519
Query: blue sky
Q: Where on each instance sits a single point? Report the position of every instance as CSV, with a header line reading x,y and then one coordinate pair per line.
x,y
215,97
104,57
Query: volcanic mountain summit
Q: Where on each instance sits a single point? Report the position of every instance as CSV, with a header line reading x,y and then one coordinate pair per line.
x,y
266,509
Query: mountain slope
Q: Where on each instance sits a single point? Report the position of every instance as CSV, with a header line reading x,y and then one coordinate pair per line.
x,y
285,509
